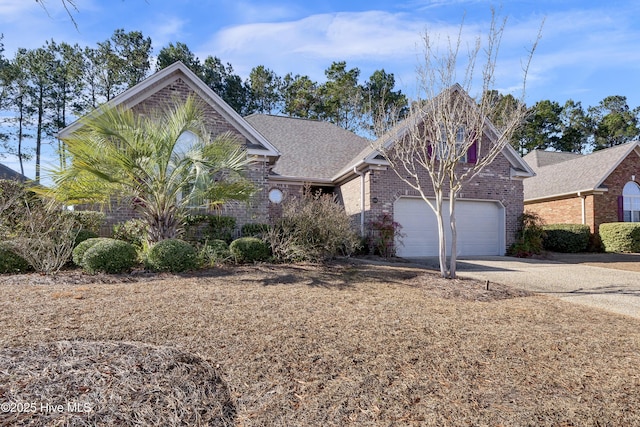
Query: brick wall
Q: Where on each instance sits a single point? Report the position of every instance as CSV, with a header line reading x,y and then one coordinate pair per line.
x,y
564,211
606,205
494,183
600,208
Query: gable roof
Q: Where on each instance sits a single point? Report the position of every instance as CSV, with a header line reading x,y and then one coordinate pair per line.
x,y
541,158
371,156
8,173
258,145
576,174
311,150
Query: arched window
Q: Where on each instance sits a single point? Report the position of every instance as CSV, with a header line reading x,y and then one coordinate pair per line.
x,y
631,202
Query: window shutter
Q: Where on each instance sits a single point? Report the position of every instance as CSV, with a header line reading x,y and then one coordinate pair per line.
x,y
620,209
472,153
430,150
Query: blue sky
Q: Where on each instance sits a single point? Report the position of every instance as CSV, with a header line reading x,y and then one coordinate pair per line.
x,y
589,49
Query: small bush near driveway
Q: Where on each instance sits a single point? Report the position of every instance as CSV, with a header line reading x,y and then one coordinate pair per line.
x,y
570,238
620,236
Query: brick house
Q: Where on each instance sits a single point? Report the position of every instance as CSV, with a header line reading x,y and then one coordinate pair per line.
x,y
290,153
587,189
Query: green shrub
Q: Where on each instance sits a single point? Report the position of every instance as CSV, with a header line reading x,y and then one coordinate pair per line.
x,y
200,228
314,228
249,249
84,235
173,255
110,256
620,236
132,231
254,230
78,252
530,238
10,262
213,252
569,238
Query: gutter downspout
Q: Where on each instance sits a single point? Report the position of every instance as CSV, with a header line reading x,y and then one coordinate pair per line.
x,y
361,175
583,199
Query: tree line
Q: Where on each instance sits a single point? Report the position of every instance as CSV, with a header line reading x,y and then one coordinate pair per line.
x,y
46,88
43,89
570,127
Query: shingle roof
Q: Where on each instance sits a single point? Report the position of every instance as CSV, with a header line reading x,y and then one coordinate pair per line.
x,y
576,173
8,173
545,158
309,148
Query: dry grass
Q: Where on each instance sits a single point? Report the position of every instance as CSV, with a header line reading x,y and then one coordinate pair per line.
x,y
355,344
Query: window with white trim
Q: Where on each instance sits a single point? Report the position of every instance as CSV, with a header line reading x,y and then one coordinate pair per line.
x,y
631,202
460,140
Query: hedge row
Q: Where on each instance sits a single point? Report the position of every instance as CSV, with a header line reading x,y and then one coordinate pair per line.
x,y
569,238
620,236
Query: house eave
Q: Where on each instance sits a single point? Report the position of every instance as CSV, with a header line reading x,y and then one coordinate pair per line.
x,y
579,193
301,180
133,96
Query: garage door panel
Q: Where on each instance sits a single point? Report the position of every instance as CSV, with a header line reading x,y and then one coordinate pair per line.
x,y
480,227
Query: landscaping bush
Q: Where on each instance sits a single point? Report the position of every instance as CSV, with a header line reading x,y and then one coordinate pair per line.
x,y
249,249
132,231
620,236
11,262
84,235
313,228
172,255
213,252
78,252
531,235
110,256
255,230
40,231
568,238
200,228
383,233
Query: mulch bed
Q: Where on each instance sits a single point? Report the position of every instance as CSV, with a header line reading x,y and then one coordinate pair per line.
x,y
74,383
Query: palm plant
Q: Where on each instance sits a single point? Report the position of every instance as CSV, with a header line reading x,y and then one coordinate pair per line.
x,y
162,163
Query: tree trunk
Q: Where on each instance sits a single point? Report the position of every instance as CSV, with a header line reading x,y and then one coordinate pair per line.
x,y
442,242
454,235
39,132
20,119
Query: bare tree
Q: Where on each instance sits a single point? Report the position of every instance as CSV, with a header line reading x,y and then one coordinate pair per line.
x,y
69,6
446,139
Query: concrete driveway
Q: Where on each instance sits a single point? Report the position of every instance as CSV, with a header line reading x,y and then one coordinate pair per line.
x,y
613,290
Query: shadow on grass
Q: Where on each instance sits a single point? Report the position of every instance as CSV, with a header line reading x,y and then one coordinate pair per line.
x,y
603,290
339,275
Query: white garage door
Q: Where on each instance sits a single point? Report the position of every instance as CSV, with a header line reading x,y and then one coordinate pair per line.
x,y
480,226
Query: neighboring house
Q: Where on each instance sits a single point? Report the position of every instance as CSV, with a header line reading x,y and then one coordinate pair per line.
x,y
290,153
8,173
587,189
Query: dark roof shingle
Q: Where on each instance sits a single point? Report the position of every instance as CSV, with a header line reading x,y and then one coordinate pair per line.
x,y
309,148
575,174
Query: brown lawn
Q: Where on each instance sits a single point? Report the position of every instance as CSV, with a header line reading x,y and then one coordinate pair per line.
x,y
344,344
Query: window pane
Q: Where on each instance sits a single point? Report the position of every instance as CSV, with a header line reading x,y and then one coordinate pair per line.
x,y
636,216
631,189
627,216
